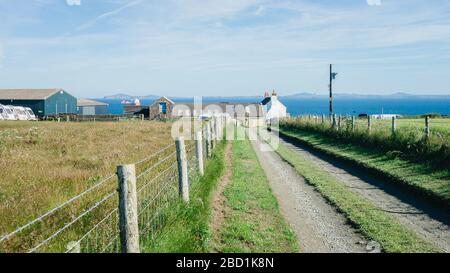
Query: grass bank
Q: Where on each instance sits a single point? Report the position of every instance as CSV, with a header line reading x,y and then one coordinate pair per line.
x,y
419,178
187,230
373,223
252,220
408,142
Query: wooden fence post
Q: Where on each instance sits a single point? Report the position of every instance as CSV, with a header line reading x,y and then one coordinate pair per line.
x,y
353,123
199,151
74,247
208,140
128,210
323,118
339,122
211,122
369,123
183,178
427,126
394,125
334,122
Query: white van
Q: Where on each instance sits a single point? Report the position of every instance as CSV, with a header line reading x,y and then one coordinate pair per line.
x,y
8,113
30,113
20,113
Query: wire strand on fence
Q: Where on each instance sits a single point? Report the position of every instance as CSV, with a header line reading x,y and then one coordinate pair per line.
x,y
96,205
159,163
157,177
115,210
155,154
54,210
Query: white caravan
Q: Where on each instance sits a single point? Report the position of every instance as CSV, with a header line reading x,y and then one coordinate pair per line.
x,y
30,114
20,113
8,113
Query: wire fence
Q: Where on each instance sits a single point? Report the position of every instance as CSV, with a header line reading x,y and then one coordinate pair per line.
x,y
89,221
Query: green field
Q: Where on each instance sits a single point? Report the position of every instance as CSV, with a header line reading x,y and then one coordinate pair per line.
x,y
438,126
409,141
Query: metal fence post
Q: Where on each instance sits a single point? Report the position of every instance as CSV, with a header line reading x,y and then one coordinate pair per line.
x,y
394,125
183,179
199,151
427,126
128,210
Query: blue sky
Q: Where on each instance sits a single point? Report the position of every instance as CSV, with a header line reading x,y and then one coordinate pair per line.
x,y
225,47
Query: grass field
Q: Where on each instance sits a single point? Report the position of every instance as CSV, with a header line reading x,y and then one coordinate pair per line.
x,y
252,220
439,126
408,142
45,163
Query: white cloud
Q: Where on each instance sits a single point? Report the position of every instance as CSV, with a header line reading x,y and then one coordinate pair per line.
x,y
108,14
73,2
374,2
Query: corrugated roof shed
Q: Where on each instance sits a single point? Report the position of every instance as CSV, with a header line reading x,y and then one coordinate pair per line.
x,y
27,94
87,102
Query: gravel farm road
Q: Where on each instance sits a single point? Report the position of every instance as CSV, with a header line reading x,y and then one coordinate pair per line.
x,y
320,227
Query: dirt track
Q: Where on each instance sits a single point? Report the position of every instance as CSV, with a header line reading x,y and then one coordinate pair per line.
x,y
319,227
427,221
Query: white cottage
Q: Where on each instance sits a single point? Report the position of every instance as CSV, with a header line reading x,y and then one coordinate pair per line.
x,y
274,109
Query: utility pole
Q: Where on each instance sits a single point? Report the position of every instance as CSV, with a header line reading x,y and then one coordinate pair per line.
x,y
332,77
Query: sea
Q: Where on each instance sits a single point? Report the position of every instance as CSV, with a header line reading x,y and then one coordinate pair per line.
x,y
320,105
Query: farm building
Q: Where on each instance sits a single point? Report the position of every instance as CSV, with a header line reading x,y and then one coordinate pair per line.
x,y
273,108
91,107
166,108
162,108
43,102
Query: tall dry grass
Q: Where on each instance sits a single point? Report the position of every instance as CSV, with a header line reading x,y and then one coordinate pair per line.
x,y
45,163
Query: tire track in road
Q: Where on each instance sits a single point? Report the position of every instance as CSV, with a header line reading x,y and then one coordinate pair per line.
x,y
428,221
319,227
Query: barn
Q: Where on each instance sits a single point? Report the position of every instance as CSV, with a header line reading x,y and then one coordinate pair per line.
x,y
88,107
43,102
161,108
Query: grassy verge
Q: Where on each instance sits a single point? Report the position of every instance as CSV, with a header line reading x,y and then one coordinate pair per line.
x,y
252,221
188,230
372,222
421,179
407,143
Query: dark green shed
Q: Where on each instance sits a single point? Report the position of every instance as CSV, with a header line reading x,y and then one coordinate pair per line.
x,y
43,102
